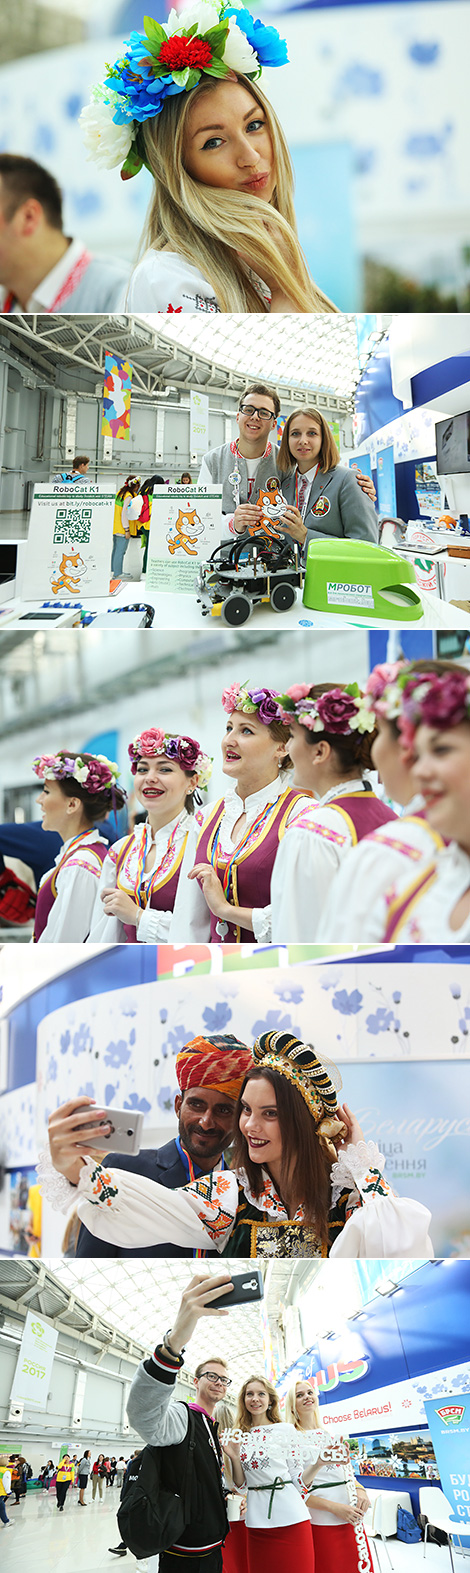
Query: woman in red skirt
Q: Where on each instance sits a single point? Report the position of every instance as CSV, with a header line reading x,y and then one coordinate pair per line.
x,y
337,1504
265,1460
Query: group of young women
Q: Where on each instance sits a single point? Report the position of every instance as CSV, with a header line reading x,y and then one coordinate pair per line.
x,y
303,1505
278,857
182,100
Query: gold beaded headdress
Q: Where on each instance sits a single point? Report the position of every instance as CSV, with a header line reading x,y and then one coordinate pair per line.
x,y
318,1081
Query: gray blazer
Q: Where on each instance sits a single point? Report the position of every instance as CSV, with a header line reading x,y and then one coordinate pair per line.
x,y
349,511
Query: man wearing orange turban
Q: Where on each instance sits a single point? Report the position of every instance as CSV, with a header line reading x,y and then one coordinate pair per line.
x,y
210,1072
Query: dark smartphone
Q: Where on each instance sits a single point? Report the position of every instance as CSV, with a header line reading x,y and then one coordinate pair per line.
x,y
246,1287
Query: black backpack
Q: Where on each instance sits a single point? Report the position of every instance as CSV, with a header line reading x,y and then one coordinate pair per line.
x,y
151,1517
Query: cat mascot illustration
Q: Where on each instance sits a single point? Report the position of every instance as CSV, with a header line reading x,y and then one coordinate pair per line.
x,y
70,572
183,532
273,504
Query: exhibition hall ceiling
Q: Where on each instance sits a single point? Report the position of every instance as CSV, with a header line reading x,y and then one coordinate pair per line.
x,y
317,351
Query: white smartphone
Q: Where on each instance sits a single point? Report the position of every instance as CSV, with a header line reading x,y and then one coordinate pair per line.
x,y
124,1136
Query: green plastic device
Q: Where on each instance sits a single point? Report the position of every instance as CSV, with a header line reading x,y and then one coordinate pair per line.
x,y
360,579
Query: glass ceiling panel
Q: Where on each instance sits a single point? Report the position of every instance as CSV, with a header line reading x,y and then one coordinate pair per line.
x,y
307,352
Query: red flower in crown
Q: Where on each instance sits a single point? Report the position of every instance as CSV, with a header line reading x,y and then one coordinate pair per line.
x,y
177,53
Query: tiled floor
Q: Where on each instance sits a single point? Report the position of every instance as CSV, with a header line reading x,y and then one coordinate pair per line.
x,y
77,1541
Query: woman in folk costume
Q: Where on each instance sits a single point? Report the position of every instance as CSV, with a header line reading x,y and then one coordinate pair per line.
x,y
435,724
224,892
332,732
336,1503
356,907
266,1460
303,1181
183,100
77,790
140,876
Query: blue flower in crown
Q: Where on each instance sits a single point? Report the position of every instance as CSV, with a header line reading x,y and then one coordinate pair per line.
x,y
268,46
208,37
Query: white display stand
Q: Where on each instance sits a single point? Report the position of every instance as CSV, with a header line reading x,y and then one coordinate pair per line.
x,y
186,524
178,612
68,552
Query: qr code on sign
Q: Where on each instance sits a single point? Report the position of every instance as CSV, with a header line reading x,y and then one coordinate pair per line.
x,y
71,525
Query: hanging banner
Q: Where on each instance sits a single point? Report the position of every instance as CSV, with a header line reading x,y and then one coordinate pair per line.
x,y
34,1365
198,422
117,390
449,1424
68,552
186,525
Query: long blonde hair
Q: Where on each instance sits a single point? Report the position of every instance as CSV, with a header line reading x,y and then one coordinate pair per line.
x,y
209,225
244,1420
291,1411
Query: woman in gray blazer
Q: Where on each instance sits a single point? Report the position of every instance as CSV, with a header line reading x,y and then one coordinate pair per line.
x,y
323,498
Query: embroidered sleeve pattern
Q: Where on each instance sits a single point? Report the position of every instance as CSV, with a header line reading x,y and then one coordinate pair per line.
x,y
362,1163
100,1188
307,821
85,861
218,1196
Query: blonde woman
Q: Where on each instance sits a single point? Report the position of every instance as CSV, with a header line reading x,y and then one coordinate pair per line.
x,y
266,1461
323,497
336,1504
221,231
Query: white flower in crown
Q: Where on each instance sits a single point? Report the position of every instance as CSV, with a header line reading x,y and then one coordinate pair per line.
x,y
80,771
105,142
238,53
203,13
364,720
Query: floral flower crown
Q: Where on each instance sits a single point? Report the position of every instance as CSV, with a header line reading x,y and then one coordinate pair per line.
x,y
209,37
97,774
384,688
429,699
262,702
185,750
340,711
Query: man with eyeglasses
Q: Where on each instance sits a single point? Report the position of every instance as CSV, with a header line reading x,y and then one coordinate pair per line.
x,y
165,1424
246,465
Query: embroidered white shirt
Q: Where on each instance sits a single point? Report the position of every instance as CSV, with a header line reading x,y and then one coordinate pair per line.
x,y
154,925
191,918
70,916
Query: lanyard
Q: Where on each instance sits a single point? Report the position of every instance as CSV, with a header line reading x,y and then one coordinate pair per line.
x,y
251,834
143,896
191,1173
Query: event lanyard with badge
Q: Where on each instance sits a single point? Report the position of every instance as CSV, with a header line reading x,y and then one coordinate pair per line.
x,y
322,504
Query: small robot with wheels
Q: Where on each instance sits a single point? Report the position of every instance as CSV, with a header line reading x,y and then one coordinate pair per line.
x,y
254,569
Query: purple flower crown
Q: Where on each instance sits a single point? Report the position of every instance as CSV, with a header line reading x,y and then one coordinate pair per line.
x,y
263,702
339,711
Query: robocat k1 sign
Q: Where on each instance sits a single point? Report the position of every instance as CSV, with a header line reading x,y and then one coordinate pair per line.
x,y
70,541
186,525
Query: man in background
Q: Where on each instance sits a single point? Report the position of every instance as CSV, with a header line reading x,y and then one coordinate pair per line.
x,y
41,269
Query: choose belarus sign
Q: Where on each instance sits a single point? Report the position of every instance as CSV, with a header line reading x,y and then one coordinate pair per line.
x,y
449,1424
34,1365
70,541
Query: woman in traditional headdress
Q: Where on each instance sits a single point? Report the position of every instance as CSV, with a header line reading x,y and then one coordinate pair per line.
x,y
78,790
303,1181
332,734
224,891
356,906
221,230
139,879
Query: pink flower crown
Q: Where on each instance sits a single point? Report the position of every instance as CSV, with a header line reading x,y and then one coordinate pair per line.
x,y
339,711
186,751
97,774
384,688
262,702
